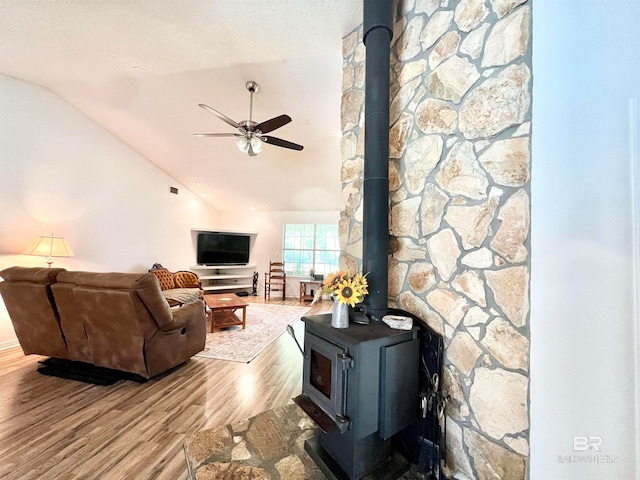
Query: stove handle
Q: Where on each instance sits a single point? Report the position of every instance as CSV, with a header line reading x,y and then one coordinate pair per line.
x,y
293,334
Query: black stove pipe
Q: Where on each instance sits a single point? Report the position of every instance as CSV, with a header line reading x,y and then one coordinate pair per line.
x,y
378,32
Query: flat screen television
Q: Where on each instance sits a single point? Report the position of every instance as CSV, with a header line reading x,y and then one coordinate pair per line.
x,y
216,248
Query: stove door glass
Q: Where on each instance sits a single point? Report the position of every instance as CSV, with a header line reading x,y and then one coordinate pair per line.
x,y
321,373
324,377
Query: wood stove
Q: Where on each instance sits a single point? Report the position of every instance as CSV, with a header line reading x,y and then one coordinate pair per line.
x,y
360,385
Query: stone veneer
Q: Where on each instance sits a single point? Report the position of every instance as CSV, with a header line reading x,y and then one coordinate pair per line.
x,y
269,446
460,117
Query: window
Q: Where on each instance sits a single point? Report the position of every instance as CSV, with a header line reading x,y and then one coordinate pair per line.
x,y
310,247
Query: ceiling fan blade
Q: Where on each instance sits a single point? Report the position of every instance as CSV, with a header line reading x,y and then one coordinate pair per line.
x,y
273,123
221,116
217,135
280,143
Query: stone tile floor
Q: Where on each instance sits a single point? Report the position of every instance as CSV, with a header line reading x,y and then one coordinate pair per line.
x,y
269,446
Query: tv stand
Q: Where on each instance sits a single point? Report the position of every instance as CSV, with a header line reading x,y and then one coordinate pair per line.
x,y
225,278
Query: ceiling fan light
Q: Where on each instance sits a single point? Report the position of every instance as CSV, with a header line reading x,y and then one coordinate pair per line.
x,y
256,144
243,144
251,134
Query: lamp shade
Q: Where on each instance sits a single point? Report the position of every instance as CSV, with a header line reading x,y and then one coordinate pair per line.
x,y
49,246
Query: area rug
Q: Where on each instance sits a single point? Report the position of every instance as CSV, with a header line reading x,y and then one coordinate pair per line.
x,y
265,323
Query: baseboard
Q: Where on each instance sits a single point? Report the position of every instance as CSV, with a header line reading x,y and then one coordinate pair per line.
x,y
9,344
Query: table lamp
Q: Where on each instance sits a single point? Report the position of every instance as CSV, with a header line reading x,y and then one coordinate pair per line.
x,y
49,246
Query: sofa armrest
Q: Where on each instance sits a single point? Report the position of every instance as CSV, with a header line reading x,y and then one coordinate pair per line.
x,y
186,314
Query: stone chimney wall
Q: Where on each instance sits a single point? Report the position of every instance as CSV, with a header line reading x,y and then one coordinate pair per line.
x,y
459,209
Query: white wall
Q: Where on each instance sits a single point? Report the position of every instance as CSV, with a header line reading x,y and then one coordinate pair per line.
x,y
583,323
268,246
61,173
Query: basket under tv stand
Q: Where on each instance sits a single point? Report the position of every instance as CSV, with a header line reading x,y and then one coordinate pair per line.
x,y
225,278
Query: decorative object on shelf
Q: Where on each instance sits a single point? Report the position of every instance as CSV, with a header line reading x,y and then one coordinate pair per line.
x,y
50,247
398,322
357,315
340,314
346,289
254,288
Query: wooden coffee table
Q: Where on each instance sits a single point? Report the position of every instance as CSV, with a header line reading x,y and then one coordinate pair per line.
x,y
223,310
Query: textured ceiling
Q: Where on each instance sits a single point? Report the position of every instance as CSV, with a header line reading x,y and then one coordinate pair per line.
x,y
140,69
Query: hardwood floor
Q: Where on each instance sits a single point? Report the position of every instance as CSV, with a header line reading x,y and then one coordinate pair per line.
x,y
51,428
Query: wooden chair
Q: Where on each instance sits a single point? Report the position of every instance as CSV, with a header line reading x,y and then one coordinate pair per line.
x,y
275,279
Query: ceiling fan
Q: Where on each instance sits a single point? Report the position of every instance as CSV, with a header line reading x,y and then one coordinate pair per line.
x,y
252,134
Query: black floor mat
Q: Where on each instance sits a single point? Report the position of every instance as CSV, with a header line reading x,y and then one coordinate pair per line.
x,y
85,372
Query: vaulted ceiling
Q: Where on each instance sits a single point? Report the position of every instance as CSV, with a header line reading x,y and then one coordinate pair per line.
x,y
140,68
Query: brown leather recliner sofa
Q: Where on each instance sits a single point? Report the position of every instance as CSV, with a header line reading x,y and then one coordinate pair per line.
x,y
113,320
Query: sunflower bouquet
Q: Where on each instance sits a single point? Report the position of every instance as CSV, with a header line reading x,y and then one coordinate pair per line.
x,y
347,287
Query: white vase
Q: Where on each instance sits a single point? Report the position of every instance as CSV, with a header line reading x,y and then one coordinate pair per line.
x,y
340,314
